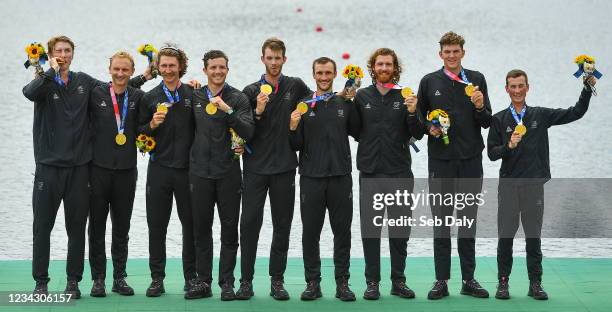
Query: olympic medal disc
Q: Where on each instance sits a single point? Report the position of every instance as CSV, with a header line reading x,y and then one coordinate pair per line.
x,y
162,108
520,129
469,90
302,108
211,109
406,92
266,89
120,139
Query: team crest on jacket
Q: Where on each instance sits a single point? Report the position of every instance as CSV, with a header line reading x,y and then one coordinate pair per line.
x,y
132,105
287,96
534,125
188,103
341,113
396,105
80,89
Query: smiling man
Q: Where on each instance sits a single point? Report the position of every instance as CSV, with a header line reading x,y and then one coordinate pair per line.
x,y
114,117
214,173
388,121
62,152
168,175
321,136
461,93
519,136
269,169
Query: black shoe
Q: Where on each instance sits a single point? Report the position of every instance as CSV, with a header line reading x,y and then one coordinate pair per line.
x,y
472,288
190,283
438,291
227,292
72,288
156,288
121,287
245,292
41,289
312,291
371,292
503,291
198,290
278,291
536,291
98,288
400,289
343,292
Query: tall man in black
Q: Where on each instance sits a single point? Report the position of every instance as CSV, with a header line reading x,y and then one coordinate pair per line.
x,y
469,111
519,136
321,136
270,168
214,172
62,151
172,127
114,121
388,121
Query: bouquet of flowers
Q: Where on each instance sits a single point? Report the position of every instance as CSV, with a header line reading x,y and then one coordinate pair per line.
x,y
145,143
440,119
237,142
354,74
586,67
36,57
150,52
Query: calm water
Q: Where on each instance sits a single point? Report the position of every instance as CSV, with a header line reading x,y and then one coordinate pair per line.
x,y
541,37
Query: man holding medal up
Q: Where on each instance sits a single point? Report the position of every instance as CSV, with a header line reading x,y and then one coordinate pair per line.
x,y
62,151
388,121
455,162
270,168
214,173
114,117
320,127
167,116
519,136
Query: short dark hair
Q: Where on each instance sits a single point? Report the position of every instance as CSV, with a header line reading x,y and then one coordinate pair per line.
x,y
323,60
173,51
213,54
397,67
451,38
515,73
273,44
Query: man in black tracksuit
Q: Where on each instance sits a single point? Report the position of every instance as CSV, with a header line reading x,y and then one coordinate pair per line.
x,y
214,173
62,151
113,172
461,159
321,137
524,170
167,173
269,168
388,121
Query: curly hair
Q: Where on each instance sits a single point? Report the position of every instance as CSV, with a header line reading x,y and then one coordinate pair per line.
x,y
451,38
173,51
397,67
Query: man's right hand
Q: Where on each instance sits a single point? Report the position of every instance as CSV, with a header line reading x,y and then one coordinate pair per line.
x,y
296,116
158,119
514,140
262,101
435,131
54,63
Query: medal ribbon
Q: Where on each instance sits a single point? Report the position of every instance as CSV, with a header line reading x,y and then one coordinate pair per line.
x,y
172,98
322,97
263,81
518,117
119,119
389,85
59,80
210,95
454,77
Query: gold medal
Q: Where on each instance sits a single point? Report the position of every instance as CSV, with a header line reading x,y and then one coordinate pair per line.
x,y
406,92
120,139
520,129
469,90
302,108
266,89
211,109
162,108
